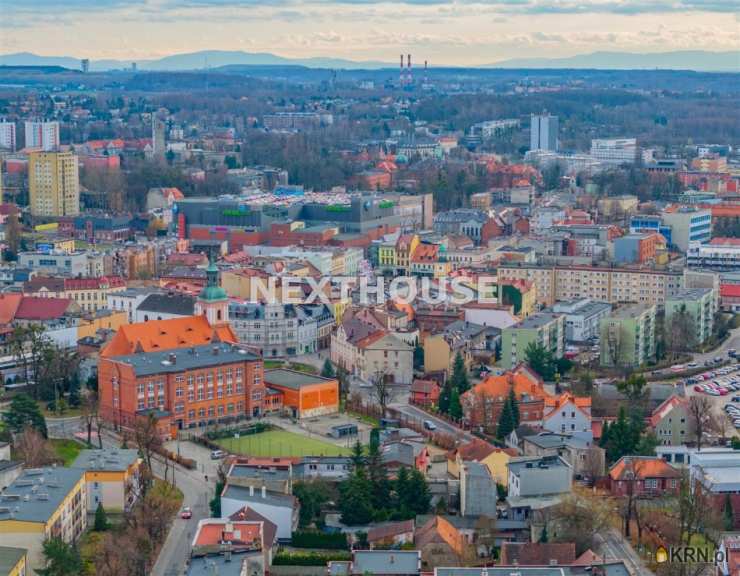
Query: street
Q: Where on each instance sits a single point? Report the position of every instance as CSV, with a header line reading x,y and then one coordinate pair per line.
x,y
617,548
442,425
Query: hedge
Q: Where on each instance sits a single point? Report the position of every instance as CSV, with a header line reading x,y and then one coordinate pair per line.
x,y
309,558
313,539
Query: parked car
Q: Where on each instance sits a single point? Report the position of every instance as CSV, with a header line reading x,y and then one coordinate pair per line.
x,y
429,425
732,352
718,359
186,513
736,398
217,454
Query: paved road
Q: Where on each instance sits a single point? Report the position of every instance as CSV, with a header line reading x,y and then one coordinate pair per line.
x,y
617,548
733,341
442,425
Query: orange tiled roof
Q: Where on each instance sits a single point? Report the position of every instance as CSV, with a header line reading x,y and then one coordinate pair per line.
x,y
667,406
499,386
643,467
580,402
9,304
157,335
214,531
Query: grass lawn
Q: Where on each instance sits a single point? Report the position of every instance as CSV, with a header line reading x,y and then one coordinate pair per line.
x,y
297,366
67,450
280,443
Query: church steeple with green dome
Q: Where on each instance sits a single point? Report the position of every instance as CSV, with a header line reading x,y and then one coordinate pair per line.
x,y
213,300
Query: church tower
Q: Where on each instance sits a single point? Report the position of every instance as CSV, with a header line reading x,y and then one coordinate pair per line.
x,y
213,302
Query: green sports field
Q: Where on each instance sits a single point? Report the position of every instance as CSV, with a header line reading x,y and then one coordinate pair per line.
x,y
280,443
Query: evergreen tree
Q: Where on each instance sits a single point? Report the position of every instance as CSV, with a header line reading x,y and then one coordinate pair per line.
x,y
728,516
444,397
378,476
74,393
604,434
514,407
460,379
23,411
101,519
419,496
505,421
621,438
403,494
455,406
327,371
62,559
355,501
543,535
357,458
418,357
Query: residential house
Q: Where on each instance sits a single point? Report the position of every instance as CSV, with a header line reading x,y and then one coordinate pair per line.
x,y
459,337
391,534
112,477
538,553
671,422
495,459
568,413
536,483
478,494
91,294
382,562
643,476
281,509
164,306
42,503
240,543
13,561
424,392
586,459
482,404
440,544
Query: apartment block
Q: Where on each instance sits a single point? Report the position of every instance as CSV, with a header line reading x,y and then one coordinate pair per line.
x,y
54,184
112,477
628,336
43,135
688,224
700,304
43,503
544,328
607,284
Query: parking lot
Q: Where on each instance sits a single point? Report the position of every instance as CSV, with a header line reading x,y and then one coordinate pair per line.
x,y
722,387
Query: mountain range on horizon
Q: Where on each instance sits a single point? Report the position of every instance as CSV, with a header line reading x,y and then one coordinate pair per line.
x,y
697,60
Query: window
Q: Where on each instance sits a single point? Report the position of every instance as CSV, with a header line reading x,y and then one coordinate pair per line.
x,y
220,409
191,395
210,379
140,388
178,392
141,404
239,374
191,414
219,392
201,380
651,483
201,412
211,411
230,407
201,394
210,393
229,389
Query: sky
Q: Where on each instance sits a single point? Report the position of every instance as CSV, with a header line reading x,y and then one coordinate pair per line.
x,y
460,32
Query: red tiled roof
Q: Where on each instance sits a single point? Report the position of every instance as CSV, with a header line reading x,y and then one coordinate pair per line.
x,y
93,283
538,553
729,290
34,308
213,531
269,528
389,530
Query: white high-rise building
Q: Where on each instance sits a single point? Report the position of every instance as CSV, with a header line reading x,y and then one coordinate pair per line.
x,y
43,135
615,151
544,132
7,136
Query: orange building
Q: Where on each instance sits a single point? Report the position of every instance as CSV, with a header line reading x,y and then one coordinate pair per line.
x,y
184,388
303,394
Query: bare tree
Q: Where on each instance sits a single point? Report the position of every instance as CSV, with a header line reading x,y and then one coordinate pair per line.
x,y
33,448
579,518
593,465
89,413
700,417
148,441
381,389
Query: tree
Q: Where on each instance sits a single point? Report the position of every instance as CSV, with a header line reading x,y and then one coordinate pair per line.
x,y
540,360
13,232
728,515
514,403
403,489
381,390
327,371
148,441
543,535
621,439
378,476
455,411
418,357
579,518
89,413
33,448
61,559
23,411
460,379
355,501
700,418
313,496
101,519
505,421
445,395
419,497
604,434
680,332
584,385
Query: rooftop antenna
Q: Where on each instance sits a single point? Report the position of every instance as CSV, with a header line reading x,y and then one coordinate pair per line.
x,y
409,78
400,76
425,72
